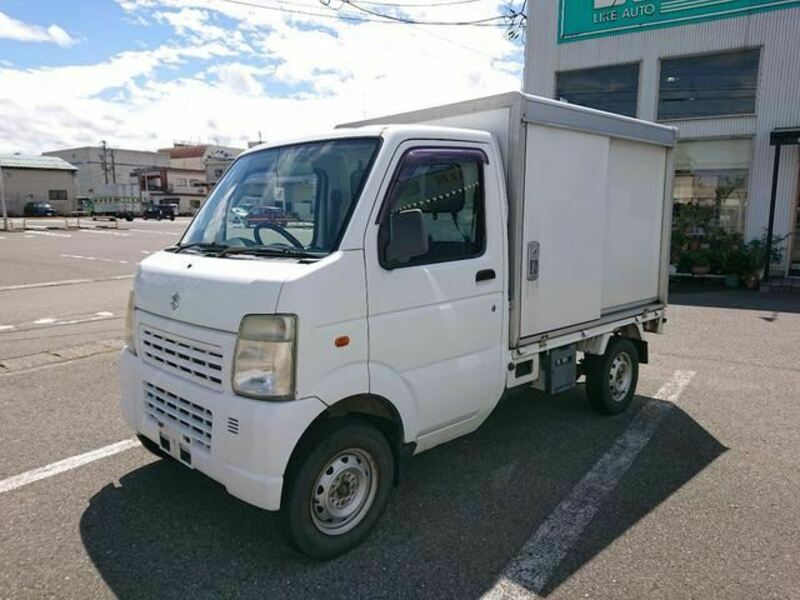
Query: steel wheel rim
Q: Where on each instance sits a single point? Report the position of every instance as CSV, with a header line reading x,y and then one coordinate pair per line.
x,y
620,376
344,491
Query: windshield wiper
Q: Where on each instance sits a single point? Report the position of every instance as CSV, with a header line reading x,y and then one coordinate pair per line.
x,y
201,245
268,251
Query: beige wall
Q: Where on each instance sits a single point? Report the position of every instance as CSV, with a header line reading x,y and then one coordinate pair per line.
x,y
30,185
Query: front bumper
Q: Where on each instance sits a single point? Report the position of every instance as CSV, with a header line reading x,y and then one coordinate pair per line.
x,y
243,444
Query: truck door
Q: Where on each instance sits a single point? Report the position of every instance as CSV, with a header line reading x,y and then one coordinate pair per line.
x,y
436,320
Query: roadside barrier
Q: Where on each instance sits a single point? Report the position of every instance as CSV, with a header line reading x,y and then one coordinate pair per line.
x,y
59,223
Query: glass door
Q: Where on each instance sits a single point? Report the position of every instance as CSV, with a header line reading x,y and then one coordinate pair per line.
x,y
794,257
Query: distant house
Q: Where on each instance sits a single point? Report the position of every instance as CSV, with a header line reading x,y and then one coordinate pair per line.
x,y
37,179
192,173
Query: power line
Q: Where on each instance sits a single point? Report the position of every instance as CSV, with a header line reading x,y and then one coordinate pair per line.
x,y
356,19
420,5
417,21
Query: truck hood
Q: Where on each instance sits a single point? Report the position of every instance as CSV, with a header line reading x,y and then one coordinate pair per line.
x,y
212,292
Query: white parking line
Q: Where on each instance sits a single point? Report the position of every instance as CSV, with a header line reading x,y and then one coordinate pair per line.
x,y
50,234
73,462
106,260
175,234
529,571
58,321
98,231
29,286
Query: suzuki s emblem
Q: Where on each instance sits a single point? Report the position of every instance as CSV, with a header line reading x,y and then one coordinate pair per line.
x,y
175,302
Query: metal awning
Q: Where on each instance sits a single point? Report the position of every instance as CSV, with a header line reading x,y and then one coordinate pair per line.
x,y
783,136
786,136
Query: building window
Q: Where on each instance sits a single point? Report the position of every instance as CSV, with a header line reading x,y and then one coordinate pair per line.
x,y
57,195
613,89
710,195
180,182
218,172
709,86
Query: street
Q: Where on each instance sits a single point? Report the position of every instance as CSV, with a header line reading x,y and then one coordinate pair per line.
x,y
706,507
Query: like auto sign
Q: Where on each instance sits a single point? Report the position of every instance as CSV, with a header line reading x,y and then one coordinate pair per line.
x,y
582,19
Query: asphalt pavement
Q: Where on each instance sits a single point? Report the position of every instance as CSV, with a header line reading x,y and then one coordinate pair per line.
x,y
707,509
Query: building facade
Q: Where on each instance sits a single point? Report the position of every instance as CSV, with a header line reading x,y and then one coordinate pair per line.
x,y
193,170
725,73
37,179
110,173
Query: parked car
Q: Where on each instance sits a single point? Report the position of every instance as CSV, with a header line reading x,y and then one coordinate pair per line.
x,y
39,209
266,214
159,211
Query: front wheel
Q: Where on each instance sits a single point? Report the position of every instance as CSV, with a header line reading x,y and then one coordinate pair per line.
x,y
337,487
611,378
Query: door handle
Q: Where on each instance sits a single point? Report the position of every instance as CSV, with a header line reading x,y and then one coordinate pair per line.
x,y
485,275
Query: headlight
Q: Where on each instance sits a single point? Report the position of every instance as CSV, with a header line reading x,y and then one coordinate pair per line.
x,y
130,338
264,363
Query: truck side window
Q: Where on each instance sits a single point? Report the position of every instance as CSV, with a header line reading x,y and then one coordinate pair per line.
x,y
447,186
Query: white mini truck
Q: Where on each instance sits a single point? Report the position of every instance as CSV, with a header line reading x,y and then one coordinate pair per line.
x,y
429,261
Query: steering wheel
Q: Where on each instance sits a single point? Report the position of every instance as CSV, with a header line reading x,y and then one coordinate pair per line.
x,y
278,229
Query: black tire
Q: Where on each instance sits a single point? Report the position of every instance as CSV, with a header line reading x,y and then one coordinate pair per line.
x,y
304,491
172,217
151,446
605,393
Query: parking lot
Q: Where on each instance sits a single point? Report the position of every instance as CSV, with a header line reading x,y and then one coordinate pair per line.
x,y
690,494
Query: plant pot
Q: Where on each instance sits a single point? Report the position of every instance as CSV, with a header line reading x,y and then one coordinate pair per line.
x,y
701,269
732,281
751,281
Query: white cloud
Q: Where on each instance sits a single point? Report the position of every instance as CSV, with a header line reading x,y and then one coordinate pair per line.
x,y
249,71
13,29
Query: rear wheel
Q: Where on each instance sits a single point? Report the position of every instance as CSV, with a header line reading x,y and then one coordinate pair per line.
x,y
337,487
611,378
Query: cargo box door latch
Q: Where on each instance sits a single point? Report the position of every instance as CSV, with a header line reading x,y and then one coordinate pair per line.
x,y
533,261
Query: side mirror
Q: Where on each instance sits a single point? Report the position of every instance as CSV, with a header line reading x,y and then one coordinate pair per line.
x,y
407,237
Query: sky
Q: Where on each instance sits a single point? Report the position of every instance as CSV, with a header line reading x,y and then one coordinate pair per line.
x,y
143,74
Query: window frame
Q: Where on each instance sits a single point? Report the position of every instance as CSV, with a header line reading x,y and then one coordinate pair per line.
x,y
382,220
637,63
57,195
738,115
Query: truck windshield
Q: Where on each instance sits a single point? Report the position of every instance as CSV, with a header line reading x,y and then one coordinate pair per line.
x,y
293,199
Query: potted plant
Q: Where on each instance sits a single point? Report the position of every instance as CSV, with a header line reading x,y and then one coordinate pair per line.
x,y
738,265
701,263
685,261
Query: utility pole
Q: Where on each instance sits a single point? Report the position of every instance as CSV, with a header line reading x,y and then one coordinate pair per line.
x,y
113,167
105,163
3,200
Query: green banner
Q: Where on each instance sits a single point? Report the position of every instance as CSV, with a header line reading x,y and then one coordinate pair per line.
x,y
583,19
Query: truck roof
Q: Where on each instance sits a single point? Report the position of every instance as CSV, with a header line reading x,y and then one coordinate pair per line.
x,y
538,110
383,131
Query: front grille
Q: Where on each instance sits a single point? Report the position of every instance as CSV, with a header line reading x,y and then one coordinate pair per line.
x,y
200,361
193,421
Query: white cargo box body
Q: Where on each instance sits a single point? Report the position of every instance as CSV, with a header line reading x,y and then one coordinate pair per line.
x,y
591,192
